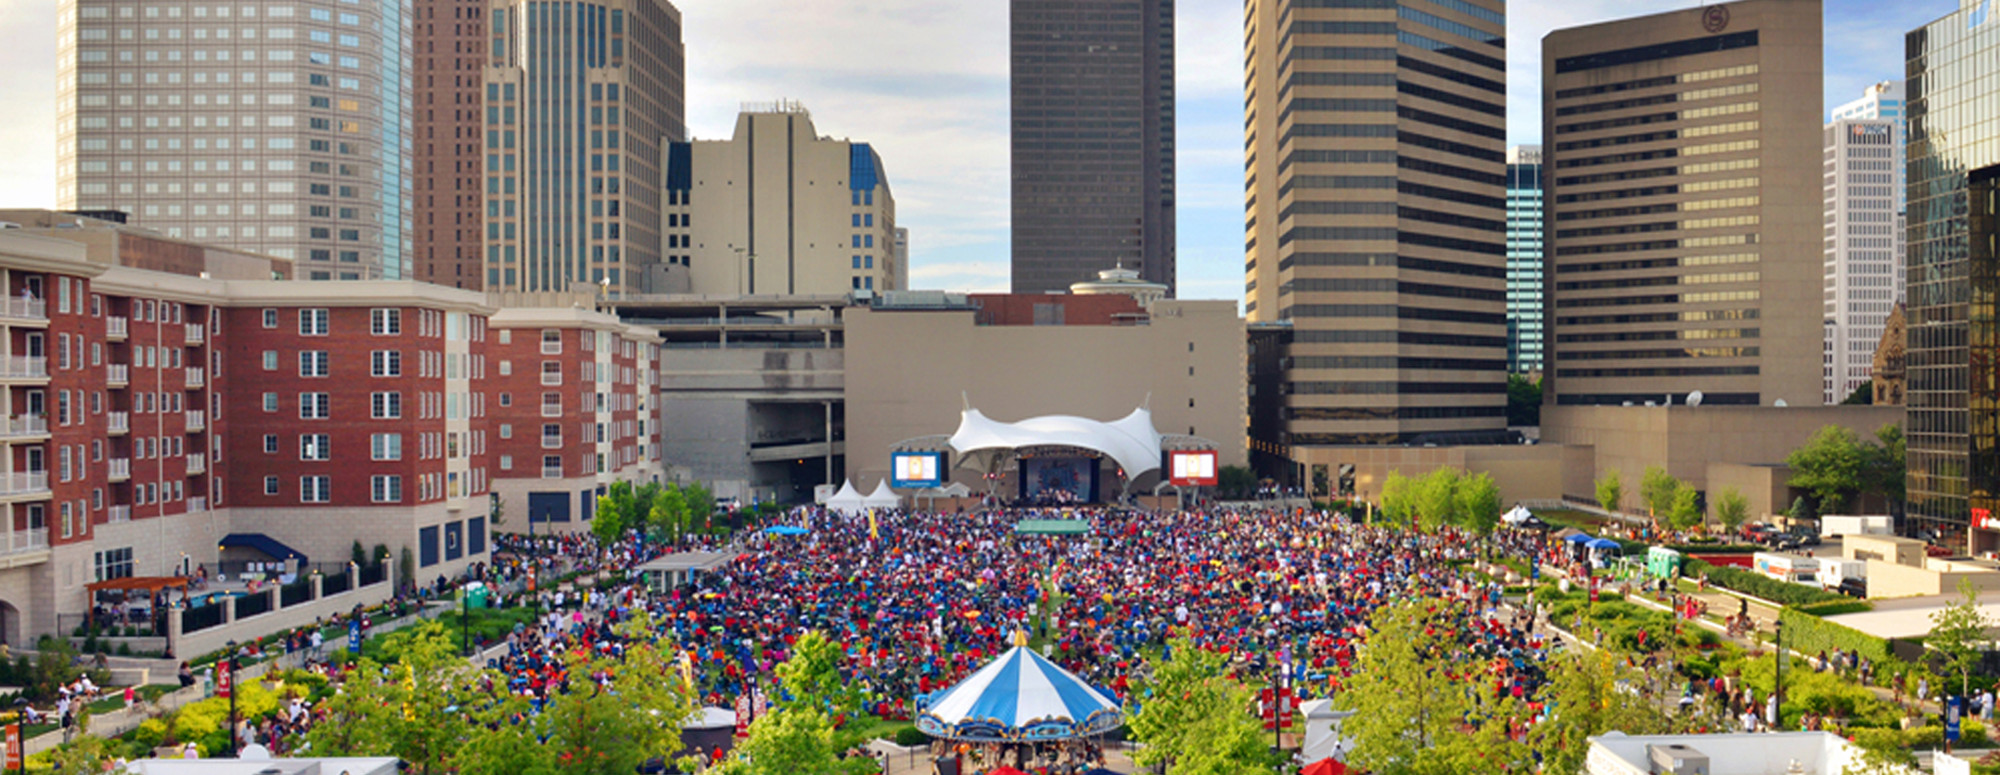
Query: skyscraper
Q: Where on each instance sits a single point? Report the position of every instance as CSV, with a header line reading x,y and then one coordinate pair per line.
x,y
1885,99
1093,140
1953,390
1684,201
1376,218
276,128
1524,258
1864,247
448,166
580,98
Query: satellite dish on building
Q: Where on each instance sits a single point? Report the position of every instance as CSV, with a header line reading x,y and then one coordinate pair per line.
x,y
1780,402
1694,399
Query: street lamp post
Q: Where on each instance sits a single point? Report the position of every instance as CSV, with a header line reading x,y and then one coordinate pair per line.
x,y
229,667
1778,686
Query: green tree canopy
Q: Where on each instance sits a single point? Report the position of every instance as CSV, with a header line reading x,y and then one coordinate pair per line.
x,y
1657,488
1194,717
1732,509
1830,467
1437,498
1958,632
1524,400
1479,503
1610,491
1418,707
1685,513
1586,699
1399,498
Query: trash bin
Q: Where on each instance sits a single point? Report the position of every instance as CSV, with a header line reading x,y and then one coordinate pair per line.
x,y
478,597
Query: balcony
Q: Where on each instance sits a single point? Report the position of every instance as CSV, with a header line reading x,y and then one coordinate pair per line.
x,y
118,469
24,427
24,483
551,442
118,422
25,309
116,327
551,410
197,421
551,472
196,378
118,375
197,464
551,378
25,547
197,504
196,334
118,513
24,367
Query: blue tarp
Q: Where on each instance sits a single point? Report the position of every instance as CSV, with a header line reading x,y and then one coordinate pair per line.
x,y
786,530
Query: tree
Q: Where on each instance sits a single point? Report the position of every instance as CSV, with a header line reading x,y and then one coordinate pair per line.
x,y
669,519
1524,400
609,524
1732,509
1886,465
1399,498
1657,488
1479,503
811,676
1863,395
1958,632
1610,492
497,513
400,709
1235,482
1829,467
1194,718
1415,693
799,734
1585,700
1437,498
1685,512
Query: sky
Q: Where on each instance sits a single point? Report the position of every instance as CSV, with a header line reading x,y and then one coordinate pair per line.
x,y
925,82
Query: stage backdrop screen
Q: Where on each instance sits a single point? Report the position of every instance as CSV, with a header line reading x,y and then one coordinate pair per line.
x,y
916,470
1191,468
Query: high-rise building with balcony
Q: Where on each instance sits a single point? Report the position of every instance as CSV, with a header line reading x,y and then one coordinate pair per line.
x,y
581,99
1093,140
1376,215
1684,205
1953,269
274,128
1524,259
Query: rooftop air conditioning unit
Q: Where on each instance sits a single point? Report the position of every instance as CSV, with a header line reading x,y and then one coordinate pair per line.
x,y
1676,759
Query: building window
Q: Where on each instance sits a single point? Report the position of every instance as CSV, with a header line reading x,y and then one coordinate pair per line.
x,y
506,462
314,406
315,489
312,322
386,446
270,360
385,489
551,341
271,321
271,443
270,485
315,446
270,402
386,363
386,406
551,466
385,322
313,363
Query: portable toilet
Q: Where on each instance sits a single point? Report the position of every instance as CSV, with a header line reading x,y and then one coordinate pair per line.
x,y
1663,563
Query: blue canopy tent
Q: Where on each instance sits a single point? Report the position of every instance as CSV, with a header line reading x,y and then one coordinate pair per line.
x,y
1602,543
1020,698
1577,538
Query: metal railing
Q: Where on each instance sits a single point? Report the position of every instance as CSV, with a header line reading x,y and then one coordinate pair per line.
x,y
24,366
551,472
196,378
118,422
552,442
118,513
118,374
25,426
201,617
196,334
251,605
197,463
21,482
25,309
551,410
33,539
118,468
197,421
117,327
551,378
333,583
197,504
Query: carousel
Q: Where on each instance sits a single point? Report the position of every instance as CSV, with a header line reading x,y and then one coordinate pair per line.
x,y
1020,704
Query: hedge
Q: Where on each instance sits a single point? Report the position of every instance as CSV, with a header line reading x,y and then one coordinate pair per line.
x,y
1809,634
1717,548
1837,607
1758,585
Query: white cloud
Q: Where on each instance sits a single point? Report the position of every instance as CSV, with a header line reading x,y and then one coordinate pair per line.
x,y
28,100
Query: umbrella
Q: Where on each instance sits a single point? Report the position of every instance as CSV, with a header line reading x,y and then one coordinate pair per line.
x,y
1004,770
1325,767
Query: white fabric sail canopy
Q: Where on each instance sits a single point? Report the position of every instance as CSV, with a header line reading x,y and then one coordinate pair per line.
x,y
1131,441
882,497
847,501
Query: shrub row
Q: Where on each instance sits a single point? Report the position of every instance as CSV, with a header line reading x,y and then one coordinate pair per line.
x,y
1759,585
1809,634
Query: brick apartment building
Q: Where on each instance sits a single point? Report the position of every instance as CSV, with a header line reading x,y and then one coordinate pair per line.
x,y
150,418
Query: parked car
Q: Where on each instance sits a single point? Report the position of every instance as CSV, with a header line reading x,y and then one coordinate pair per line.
x,y
1853,586
1758,532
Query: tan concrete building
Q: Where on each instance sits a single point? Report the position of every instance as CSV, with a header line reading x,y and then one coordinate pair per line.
x,y
1541,472
1375,138
112,243
911,370
779,209
1683,183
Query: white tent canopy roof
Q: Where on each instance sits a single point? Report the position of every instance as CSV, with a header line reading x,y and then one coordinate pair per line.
x,y
882,497
847,501
1132,441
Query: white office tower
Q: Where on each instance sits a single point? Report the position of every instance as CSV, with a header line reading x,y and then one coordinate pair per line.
x,y
1864,246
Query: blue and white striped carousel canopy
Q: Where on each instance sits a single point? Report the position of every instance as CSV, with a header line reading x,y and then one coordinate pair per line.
x,y
1020,697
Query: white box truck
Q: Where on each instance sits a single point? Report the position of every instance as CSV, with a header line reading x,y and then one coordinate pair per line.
x,y
1797,569
1853,525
